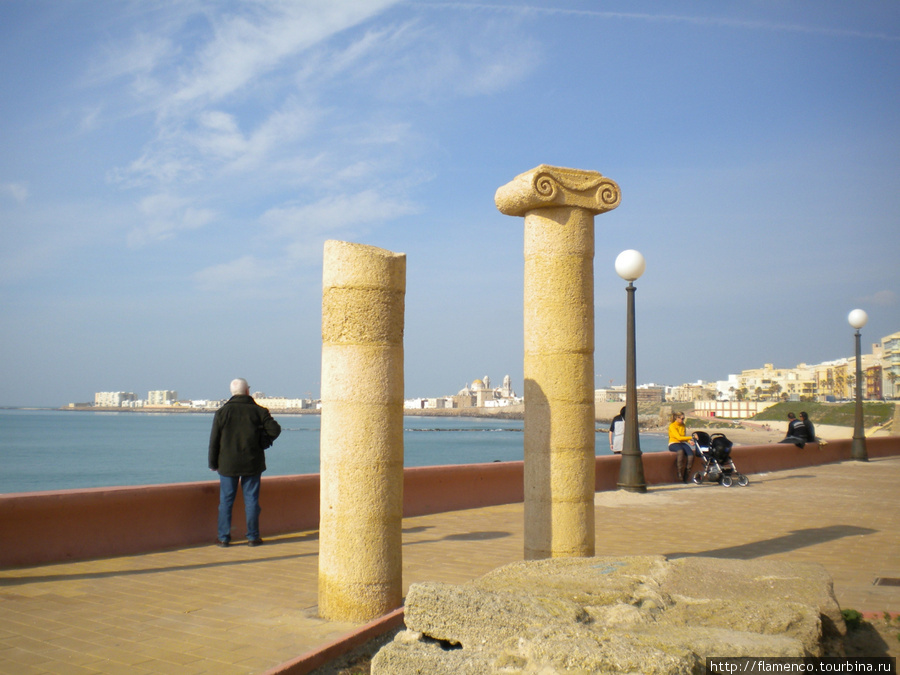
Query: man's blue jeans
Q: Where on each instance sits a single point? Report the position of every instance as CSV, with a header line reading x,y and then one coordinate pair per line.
x,y
228,486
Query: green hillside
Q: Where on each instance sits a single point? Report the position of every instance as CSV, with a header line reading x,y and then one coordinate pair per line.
x,y
839,414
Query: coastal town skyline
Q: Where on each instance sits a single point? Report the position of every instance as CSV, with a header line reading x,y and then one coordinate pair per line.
x,y
884,357
171,172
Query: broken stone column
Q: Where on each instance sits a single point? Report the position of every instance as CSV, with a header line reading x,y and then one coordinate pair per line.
x,y
559,207
361,446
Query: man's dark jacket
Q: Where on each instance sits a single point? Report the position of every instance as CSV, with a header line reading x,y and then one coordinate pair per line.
x,y
241,432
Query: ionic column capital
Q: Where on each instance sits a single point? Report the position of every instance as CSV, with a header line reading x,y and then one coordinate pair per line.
x,y
552,186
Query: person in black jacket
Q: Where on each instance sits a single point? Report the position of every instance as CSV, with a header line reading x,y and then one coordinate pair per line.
x,y
810,429
241,432
796,432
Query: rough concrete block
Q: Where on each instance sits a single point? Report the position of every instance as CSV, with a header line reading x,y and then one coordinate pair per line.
x,y
641,614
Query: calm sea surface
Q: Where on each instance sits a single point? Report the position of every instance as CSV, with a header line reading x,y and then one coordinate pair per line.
x,y
60,450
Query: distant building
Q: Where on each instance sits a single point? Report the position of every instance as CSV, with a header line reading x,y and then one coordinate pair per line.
x,y
733,410
162,397
440,403
646,393
115,399
827,381
611,395
650,393
698,391
890,361
479,394
281,403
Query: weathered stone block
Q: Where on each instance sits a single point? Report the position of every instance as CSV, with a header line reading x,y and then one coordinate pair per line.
x,y
641,614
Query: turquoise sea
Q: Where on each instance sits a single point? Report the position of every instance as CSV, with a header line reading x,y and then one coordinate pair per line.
x,y
60,449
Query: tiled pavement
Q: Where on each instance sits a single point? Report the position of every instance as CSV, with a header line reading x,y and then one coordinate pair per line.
x,y
245,610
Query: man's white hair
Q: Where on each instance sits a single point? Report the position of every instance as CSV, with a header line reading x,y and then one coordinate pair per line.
x,y
239,386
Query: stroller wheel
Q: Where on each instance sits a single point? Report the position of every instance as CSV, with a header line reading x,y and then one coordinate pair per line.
x,y
726,480
743,481
698,478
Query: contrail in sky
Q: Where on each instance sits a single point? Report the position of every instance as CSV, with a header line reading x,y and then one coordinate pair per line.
x,y
672,18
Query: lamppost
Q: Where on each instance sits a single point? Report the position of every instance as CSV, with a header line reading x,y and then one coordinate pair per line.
x,y
630,266
857,319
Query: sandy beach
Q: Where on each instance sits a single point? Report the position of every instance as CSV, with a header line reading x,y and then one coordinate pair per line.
x,y
772,432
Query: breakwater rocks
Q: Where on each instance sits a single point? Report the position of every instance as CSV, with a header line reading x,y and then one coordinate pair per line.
x,y
641,614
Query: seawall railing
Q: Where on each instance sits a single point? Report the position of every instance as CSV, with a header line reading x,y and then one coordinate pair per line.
x,y
45,527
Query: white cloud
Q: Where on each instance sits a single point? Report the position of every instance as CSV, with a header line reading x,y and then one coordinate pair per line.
x,y
882,298
17,190
348,216
142,54
247,271
164,215
748,24
206,115
257,39
497,69
341,212
219,135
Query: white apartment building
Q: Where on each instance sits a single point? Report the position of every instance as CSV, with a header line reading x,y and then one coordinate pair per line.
x,y
890,363
829,380
733,410
281,403
162,397
115,399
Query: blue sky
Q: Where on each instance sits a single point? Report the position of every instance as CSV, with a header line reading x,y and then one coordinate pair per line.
x,y
171,170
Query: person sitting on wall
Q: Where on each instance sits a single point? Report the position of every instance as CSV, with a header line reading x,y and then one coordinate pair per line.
x,y
810,429
682,444
617,432
796,432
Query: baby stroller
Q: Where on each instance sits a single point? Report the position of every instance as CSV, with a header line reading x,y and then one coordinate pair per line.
x,y
718,467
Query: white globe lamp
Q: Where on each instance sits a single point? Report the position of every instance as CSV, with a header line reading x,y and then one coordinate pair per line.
x,y
630,265
857,318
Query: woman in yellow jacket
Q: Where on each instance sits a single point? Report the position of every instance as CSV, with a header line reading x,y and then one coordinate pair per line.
x,y
681,443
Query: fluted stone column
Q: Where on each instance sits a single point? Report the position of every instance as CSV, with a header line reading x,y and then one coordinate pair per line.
x,y
559,207
361,447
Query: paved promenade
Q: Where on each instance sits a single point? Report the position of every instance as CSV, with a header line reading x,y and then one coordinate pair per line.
x,y
245,610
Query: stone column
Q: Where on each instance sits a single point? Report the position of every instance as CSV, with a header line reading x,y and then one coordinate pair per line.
x,y
361,447
559,207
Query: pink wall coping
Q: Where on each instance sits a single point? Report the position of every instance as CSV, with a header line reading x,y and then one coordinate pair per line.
x,y
45,527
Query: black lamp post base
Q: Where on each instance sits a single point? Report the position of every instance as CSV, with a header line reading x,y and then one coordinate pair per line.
x,y
858,450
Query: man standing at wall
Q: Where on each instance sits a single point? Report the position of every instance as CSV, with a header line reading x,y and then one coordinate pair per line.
x,y
241,432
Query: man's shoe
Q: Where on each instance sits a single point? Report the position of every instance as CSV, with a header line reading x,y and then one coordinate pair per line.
x,y
255,542
223,544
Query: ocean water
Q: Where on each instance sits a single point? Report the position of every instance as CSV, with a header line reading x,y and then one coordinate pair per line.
x,y
61,450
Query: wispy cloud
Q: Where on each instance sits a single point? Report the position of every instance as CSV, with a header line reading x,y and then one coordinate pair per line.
x,y
258,38
164,215
884,298
307,226
296,234
135,59
223,56
262,107
16,190
247,272
748,24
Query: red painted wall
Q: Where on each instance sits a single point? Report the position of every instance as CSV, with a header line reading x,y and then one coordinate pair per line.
x,y
45,527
